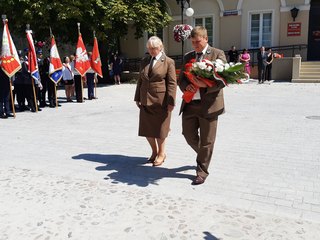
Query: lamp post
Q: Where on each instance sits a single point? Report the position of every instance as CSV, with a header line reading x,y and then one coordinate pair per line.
x,y
189,13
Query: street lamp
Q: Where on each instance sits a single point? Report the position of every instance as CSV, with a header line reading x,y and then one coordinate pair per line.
x,y
294,13
189,13
189,10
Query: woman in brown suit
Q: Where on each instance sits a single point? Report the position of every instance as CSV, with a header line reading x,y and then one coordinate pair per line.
x,y
155,96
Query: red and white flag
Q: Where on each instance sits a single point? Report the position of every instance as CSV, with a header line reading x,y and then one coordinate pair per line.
x,y
82,62
95,58
9,59
55,68
32,58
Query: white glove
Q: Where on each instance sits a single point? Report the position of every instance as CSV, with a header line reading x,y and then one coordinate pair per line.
x,y
40,86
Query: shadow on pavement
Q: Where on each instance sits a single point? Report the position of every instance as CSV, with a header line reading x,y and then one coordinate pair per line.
x,y
209,236
133,170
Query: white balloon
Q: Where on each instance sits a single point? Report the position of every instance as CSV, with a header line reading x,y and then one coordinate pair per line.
x,y
189,12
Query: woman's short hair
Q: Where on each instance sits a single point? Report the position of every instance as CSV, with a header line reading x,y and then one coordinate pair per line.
x,y
154,42
65,59
199,31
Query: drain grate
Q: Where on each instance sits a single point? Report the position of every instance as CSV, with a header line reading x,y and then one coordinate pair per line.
x,y
313,117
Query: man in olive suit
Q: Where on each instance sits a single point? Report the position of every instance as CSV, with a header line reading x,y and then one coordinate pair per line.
x,y
200,116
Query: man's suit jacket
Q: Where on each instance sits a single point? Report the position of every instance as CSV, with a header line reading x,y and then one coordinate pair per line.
x,y
160,87
211,97
262,59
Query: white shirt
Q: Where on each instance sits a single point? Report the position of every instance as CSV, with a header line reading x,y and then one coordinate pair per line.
x,y
156,58
75,72
67,73
197,96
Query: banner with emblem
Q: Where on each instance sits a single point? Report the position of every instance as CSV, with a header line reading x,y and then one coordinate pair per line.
x,y
95,58
10,62
55,68
32,58
82,62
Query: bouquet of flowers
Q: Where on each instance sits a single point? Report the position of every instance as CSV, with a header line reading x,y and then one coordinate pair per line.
x,y
181,32
212,72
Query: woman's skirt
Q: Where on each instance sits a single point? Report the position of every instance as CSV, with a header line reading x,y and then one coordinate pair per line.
x,y
154,121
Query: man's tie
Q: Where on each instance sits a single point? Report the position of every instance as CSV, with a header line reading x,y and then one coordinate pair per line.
x,y
150,66
199,55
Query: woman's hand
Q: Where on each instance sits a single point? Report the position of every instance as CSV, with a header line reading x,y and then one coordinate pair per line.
x,y
170,108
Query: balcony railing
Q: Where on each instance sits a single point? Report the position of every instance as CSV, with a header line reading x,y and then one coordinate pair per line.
x,y
132,64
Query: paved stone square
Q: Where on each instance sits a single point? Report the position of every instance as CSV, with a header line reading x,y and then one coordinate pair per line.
x,y
78,172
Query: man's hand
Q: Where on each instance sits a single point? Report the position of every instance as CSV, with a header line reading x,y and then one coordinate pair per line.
x,y
191,88
199,83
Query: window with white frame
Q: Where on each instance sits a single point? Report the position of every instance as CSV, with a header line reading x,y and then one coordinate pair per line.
x,y
260,29
207,22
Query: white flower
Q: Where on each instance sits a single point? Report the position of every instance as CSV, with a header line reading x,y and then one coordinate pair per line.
x,y
219,68
202,65
219,62
226,66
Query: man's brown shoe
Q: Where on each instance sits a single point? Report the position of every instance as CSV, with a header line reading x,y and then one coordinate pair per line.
x,y
198,180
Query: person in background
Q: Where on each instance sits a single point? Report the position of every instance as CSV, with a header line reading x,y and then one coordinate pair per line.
x,y
269,64
200,116
245,59
4,95
90,76
67,76
116,65
20,82
233,55
262,63
155,97
77,80
44,74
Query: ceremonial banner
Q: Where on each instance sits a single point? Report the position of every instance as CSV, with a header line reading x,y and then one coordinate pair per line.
x,y
10,62
82,62
95,58
55,68
32,58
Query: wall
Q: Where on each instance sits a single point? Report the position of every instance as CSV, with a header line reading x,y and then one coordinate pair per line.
x,y
282,69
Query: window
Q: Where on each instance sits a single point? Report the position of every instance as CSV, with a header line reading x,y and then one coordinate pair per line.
x,y
260,30
207,22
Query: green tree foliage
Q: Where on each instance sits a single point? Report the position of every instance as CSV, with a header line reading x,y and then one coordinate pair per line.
x,y
110,19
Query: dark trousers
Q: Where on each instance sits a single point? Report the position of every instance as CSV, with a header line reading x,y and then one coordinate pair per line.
x,y
78,87
261,73
268,72
42,93
90,85
200,134
4,100
51,93
29,94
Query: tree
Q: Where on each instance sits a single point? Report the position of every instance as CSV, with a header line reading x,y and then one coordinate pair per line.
x,y
109,18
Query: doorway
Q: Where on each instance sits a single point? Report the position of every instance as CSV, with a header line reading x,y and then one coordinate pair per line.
x,y
314,32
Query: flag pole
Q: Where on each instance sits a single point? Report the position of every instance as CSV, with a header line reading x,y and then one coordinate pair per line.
x,y
32,80
80,74
55,93
95,75
12,101
55,85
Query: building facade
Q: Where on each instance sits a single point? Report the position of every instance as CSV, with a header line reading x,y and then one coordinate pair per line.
x,y
242,23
